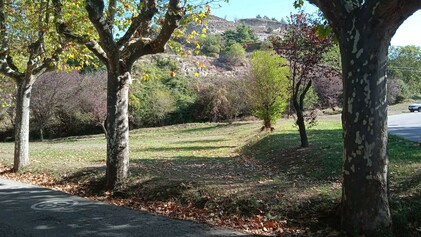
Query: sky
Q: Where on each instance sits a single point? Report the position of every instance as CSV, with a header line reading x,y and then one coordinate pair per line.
x,y
409,33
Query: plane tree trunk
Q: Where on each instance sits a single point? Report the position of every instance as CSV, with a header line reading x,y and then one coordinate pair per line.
x,y
119,55
117,131
23,97
365,205
364,30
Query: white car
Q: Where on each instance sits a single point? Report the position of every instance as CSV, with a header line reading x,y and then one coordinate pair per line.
x,y
415,107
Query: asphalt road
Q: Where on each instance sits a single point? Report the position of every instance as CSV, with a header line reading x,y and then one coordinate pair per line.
x,y
406,125
30,211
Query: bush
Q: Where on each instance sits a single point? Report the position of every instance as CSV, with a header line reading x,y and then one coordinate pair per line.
x,y
234,54
397,90
211,45
164,98
221,99
243,34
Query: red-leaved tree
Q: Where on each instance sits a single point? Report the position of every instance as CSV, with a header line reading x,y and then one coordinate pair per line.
x,y
303,47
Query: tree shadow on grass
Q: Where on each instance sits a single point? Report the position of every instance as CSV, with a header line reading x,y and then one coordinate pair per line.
x,y
200,141
406,214
211,126
180,148
322,160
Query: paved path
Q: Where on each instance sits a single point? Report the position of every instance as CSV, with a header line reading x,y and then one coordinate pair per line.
x,y
406,125
30,211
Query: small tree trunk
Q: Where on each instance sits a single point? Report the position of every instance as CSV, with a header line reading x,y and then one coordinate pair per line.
x,y
267,126
103,125
302,128
21,157
365,203
117,127
41,134
300,122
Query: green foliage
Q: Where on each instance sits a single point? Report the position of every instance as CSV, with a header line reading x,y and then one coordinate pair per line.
x,y
332,57
211,45
159,95
298,3
311,100
405,64
269,86
243,34
158,102
266,45
234,54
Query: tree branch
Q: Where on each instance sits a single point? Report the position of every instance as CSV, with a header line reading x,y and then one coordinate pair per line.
x,y
333,10
393,13
303,94
49,64
112,8
142,47
64,30
7,66
95,9
148,11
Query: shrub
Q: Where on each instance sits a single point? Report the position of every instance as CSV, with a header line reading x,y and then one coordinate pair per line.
x,y
221,99
211,45
234,54
164,98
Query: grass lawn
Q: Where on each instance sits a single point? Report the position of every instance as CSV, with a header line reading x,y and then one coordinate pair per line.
x,y
228,174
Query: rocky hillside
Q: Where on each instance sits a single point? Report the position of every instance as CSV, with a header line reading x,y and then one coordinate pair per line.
x,y
262,27
201,66
214,67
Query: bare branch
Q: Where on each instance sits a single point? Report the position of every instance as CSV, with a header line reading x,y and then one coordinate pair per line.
x,y
142,47
147,12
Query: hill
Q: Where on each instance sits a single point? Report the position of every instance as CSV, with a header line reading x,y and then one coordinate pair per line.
x,y
262,27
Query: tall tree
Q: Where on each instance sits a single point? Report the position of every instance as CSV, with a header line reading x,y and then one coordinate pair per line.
x,y
405,64
268,86
303,47
364,30
125,31
28,50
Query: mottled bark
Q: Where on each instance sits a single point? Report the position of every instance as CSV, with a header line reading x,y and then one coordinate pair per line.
x,y
117,128
21,158
364,30
365,206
